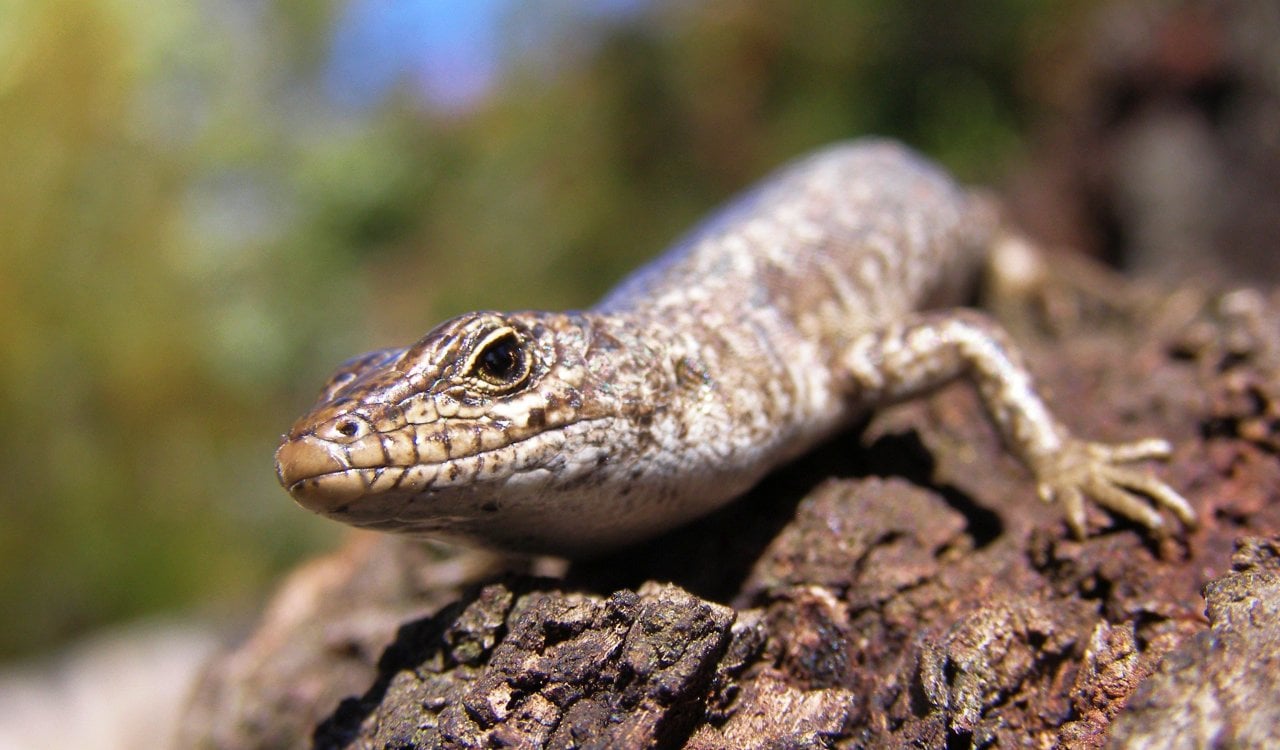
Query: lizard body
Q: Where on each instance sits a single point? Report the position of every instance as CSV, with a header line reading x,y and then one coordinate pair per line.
x,y
825,292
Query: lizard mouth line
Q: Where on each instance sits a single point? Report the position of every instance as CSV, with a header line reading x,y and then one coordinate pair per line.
x,y
304,463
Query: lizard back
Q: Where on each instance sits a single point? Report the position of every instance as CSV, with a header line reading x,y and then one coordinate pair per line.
x,y
849,237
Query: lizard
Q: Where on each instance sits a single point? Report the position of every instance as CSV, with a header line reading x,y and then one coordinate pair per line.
x,y
832,288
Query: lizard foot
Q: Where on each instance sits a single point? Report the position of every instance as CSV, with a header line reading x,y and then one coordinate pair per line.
x,y
1081,468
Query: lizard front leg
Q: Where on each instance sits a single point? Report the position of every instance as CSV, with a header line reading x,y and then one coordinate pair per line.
x,y
925,351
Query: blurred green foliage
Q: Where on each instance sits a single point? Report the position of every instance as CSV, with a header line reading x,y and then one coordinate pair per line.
x,y
192,236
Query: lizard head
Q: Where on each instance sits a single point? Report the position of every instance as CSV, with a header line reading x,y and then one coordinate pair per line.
x,y
492,428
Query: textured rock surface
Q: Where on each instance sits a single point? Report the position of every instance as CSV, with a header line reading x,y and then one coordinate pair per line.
x,y
902,586
1222,688
544,668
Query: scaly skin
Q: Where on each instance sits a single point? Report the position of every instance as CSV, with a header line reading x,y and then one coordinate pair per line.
x,y
798,308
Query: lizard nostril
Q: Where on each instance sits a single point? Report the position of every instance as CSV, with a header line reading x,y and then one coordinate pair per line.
x,y
347,428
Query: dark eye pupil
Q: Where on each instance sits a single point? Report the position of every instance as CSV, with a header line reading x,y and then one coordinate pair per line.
x,y
501,359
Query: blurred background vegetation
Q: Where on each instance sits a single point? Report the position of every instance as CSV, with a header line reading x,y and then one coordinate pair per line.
x,y
205,206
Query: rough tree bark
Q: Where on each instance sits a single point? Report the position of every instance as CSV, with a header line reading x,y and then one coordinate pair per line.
x,y
902,586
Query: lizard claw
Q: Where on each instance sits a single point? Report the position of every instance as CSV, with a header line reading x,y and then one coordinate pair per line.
x,y
1081,469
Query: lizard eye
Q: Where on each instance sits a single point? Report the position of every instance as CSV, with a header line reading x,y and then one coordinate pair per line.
x,y
499,362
